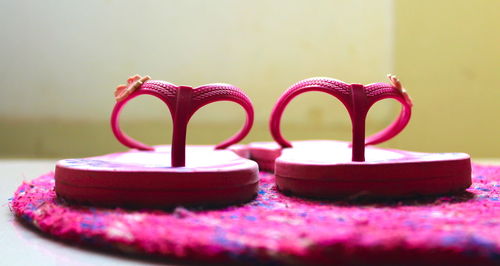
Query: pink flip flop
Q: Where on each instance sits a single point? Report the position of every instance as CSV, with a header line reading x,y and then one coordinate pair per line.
x,y
165,176
335,169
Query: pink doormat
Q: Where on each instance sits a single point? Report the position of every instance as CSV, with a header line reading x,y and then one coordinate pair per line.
x,y
277,229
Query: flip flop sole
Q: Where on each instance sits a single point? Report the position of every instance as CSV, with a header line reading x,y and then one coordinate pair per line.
x,y
265,153
323,169
157,198
146,179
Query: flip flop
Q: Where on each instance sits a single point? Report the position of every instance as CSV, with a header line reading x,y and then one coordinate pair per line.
x,y
335,169
169,175
265,153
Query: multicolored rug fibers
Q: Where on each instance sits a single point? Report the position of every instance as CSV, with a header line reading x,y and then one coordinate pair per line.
x,y
274,228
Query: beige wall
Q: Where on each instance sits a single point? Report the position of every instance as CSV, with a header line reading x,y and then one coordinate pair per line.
x,y
60,61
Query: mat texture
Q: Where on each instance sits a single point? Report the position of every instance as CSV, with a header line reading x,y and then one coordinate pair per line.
x,y
277,229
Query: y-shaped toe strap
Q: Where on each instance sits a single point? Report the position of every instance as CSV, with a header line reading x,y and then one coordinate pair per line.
x,y
357,99
183,102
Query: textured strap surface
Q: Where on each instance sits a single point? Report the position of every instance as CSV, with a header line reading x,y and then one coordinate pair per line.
x,y
336,88
183,102
380,91
160,89
216,92
357,99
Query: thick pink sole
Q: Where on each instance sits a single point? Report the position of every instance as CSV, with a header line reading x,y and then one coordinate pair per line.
x,y
373,181
156,198
323,169
145,179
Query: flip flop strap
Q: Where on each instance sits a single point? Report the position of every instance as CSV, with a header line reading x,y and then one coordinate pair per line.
x,y
381,91
183,102
357,99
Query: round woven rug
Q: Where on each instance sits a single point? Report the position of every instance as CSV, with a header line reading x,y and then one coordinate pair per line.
x,y
278,229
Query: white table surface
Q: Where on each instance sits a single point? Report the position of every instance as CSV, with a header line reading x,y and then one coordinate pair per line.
x,y
23,246
20,245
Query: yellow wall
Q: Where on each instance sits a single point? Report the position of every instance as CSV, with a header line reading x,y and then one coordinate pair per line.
x,y
62,59
448,55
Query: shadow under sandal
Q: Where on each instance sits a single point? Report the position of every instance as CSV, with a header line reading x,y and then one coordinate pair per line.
x,y
165,176
335,169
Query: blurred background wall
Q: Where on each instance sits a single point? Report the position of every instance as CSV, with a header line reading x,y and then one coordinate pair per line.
x,y
61,60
